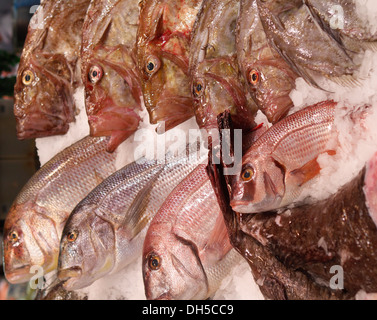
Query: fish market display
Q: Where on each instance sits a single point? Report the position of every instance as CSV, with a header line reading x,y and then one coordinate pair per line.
x,y
163,41
288,202
49,71
35,222
216,83
269,78
106,231
109,72
280,163
187,250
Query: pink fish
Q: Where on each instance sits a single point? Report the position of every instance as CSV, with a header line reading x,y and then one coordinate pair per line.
x,y
283,159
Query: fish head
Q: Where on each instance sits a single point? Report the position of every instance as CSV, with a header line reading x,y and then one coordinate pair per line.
x,y
162,55
171,266
30,239
112,93
216,87
260,186
270,83
87,249
43,96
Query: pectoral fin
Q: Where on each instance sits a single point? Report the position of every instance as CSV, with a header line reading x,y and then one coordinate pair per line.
x,y
306,173
136,218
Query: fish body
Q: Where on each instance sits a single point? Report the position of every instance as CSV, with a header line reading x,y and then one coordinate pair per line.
x,y
293,35
269,78
49,70
342,18
276,280
216,84
111,222
35,222
109,72
187,251
163,42
283,159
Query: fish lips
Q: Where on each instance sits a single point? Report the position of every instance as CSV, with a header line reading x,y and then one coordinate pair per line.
x,y
70,277
243,206
18,274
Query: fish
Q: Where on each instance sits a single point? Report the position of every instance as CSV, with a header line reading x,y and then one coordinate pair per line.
x,y
328,13
109,72
293,33
276,280
106,230
35,221
338,231
216,84
163,43
283,160
49,70
186,251
270,79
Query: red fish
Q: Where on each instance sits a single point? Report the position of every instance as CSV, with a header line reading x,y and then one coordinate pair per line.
x,y
49,71
163,42
112,85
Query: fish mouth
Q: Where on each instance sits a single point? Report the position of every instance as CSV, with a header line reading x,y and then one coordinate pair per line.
x,y
70,273
244,206
18,274
39,125
173,110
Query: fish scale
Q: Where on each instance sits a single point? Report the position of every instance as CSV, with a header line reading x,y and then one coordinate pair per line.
x,y
189,238
46,201
283,160
124,204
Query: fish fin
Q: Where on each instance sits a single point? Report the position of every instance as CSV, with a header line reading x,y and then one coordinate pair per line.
x,y
369,45
158,27
219,235
306,173
347,81
98,177
300,71
135,219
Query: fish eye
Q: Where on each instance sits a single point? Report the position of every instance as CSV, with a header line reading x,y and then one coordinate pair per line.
x,y
95,74
153,65
27,77
13,237
198,88
247,174
254,77
154,262
72,236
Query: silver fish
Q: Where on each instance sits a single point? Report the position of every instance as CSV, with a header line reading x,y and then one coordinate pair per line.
x,y
106,231
37,217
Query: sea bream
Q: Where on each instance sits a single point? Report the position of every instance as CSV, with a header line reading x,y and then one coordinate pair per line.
x,y
163,45
49,70
216,84
35,222
270,79
276,279
109,72
280,163
186,251
106,231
